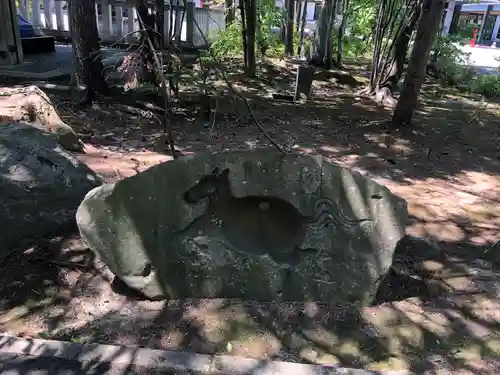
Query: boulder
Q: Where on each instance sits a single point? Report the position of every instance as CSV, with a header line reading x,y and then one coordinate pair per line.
x,y
41,184
32,105
248,224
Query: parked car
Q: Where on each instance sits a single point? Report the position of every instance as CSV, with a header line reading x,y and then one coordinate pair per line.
x,y
33,40
26,28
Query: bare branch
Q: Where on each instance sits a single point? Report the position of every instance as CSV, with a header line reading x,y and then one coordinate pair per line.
x,y
166,124
237,92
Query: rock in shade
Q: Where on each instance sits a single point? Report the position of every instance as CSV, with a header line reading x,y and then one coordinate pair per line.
x,y
41,185
247,224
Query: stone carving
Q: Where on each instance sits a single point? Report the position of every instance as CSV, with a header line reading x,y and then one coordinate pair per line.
x,y
249,225
258,225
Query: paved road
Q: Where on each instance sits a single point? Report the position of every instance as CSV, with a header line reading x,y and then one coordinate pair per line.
x,y
484,60
62,59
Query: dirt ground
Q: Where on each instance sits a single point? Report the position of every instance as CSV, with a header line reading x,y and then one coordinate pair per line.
x,y
441,311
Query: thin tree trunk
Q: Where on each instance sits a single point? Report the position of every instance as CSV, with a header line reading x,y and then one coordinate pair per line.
x,y
386,88
262,43
298,11
393,31
340,34
244,33
289,28
377,47
180,11
171,28
229,8
88,68
302,27
160,23
251,15
322,53
147,22
428,26
328,59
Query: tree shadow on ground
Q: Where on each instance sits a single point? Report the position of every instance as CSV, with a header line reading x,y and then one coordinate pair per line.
x,y
439,308
41,277
31,357
447,138
428,316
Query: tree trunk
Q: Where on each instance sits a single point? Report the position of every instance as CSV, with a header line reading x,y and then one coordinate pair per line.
x,y
428,26
88,68
393,32
378,33
160,23
302,27
147,22
340,34
322,46
262,43
290,8
385,91
251,15
229,8
298,11
244,32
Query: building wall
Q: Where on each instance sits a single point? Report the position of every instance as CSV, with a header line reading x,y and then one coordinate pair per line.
x,y
449,16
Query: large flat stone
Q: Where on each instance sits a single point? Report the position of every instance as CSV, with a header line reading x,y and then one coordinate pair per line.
x,y
250,224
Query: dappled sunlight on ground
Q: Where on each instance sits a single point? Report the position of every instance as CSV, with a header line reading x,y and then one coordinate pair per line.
x,y
439,311
115,165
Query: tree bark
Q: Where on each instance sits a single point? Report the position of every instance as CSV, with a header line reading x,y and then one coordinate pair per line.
x,y
244,32
147,22
322,54
251,16
160,23
298,12
385,91
340,34
87,63
428,26
290,8
229,8
393,31
302,27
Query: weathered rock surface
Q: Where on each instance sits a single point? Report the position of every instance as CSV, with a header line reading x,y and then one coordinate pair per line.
x,y
33,105
41,184
251,224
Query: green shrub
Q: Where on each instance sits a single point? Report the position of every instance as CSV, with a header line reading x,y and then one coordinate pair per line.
x,y
467,32
355,47
451,66
228,42
487,85
449,63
